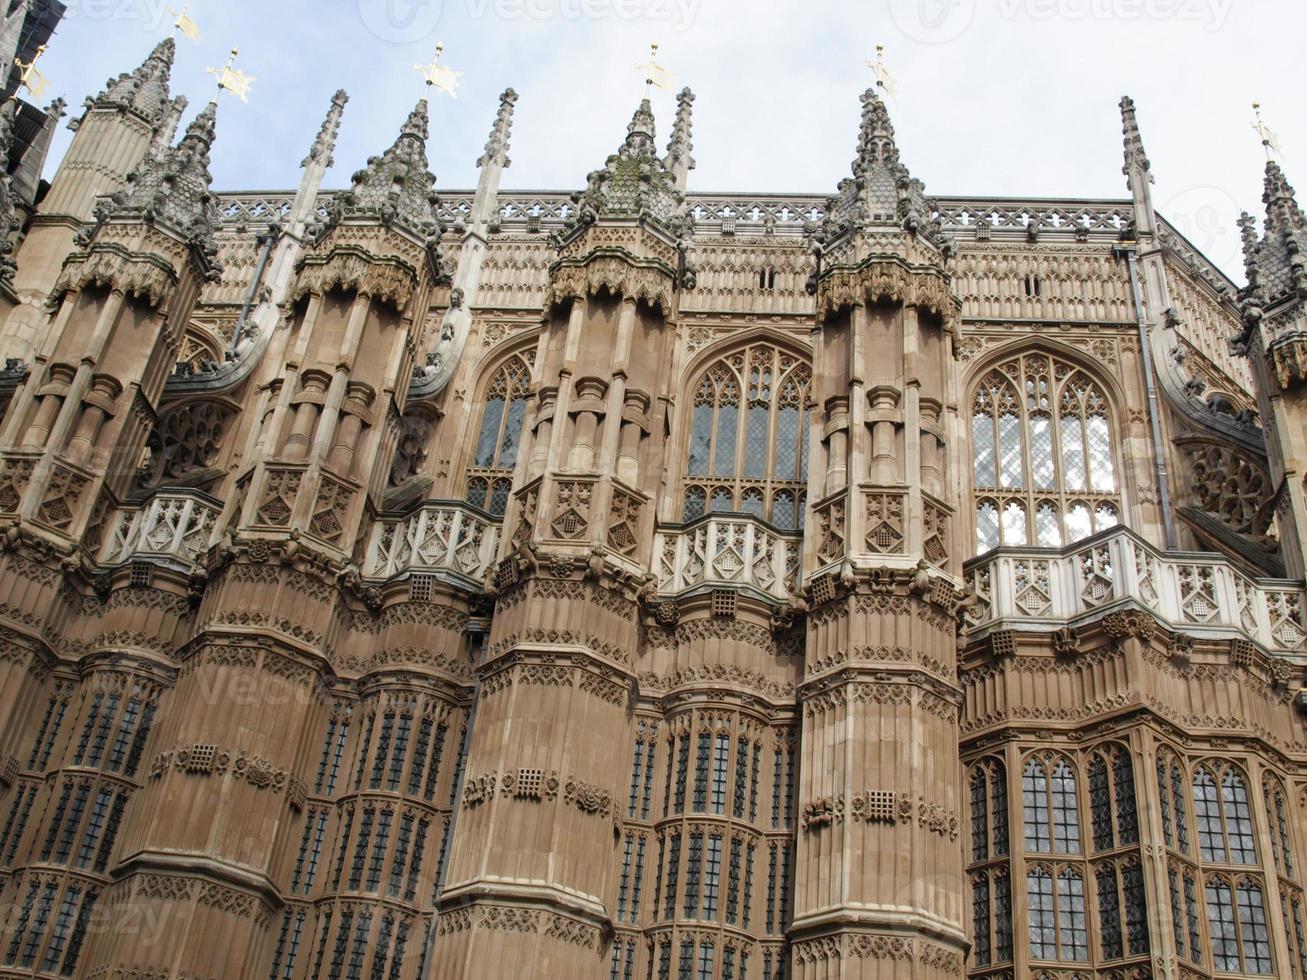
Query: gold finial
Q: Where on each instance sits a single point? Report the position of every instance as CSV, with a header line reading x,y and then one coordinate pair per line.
x,y
232,79
440,77
884,79
655,75
30,77
184,25
1270,142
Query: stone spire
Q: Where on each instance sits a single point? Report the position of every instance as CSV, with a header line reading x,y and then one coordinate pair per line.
x,y
144,90
10,34
396,187
1135,157
679,147
497,145
881,191
633,183
166,131
172,189
325,144
1277,266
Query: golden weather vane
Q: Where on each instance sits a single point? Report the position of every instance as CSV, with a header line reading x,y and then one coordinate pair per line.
x,y
1270,141
184,25
655,75
233,79
883,78
440,77
30,77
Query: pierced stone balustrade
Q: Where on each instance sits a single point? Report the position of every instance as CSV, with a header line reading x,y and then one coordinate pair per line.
x,y
1193,592
172,527
719,550
441,537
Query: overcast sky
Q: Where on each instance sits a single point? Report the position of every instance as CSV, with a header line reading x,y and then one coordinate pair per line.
x,y
996,97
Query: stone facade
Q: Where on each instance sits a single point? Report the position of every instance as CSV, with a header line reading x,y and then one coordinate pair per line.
x,y
642,584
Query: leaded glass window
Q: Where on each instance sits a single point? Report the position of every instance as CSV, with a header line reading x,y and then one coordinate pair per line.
x,y
980,917
1044,472
1224,819
748,439
1236,917
490,475
1052,822
1277,813
988,795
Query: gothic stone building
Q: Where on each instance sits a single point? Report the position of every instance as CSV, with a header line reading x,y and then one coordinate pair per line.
x,y
641,584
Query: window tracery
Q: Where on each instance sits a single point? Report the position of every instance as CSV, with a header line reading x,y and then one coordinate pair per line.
x,y
1044,472
499,437
748,438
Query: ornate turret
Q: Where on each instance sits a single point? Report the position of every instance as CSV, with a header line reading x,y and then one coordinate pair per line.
x,y
144,90
633,182
679,147
396,187
172,189
881,193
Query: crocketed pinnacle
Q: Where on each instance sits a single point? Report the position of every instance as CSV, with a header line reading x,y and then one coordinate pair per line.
x,y
144,90
881,191
497,144
171,189
1135,157
1277,265
325,143
396,188
680,147
634,182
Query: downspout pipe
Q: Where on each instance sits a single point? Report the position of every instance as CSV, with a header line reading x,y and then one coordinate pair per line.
x,y
1129,251
269,238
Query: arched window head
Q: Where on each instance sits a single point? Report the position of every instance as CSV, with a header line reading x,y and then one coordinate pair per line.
x,y
987,785
1223,816
1044,471
748,439
1050,805
1236,918
499,436
1280,814
1113,814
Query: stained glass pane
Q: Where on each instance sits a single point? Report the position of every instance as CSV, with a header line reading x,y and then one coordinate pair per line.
x,y
986,527
1009,453
494,414
1100,805
1207,815
1073,453
752,503
1220,920
1071,916
1041,451
476,492
694,503
787,442
1048,529
1043,933
700,440
803,446
1109,913
1034,803
1066,820
499,497
1078,523
1238,820
724,453
980,919
755,452
1105,516
1252,926
1014,524
982,437
721,501
782,509
1101,476
512,434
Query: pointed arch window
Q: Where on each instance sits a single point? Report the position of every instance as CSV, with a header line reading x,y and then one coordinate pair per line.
x,y
1112,809
1049,805
1223,816
1236,916
748,440
1044,471
499,437
989,818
